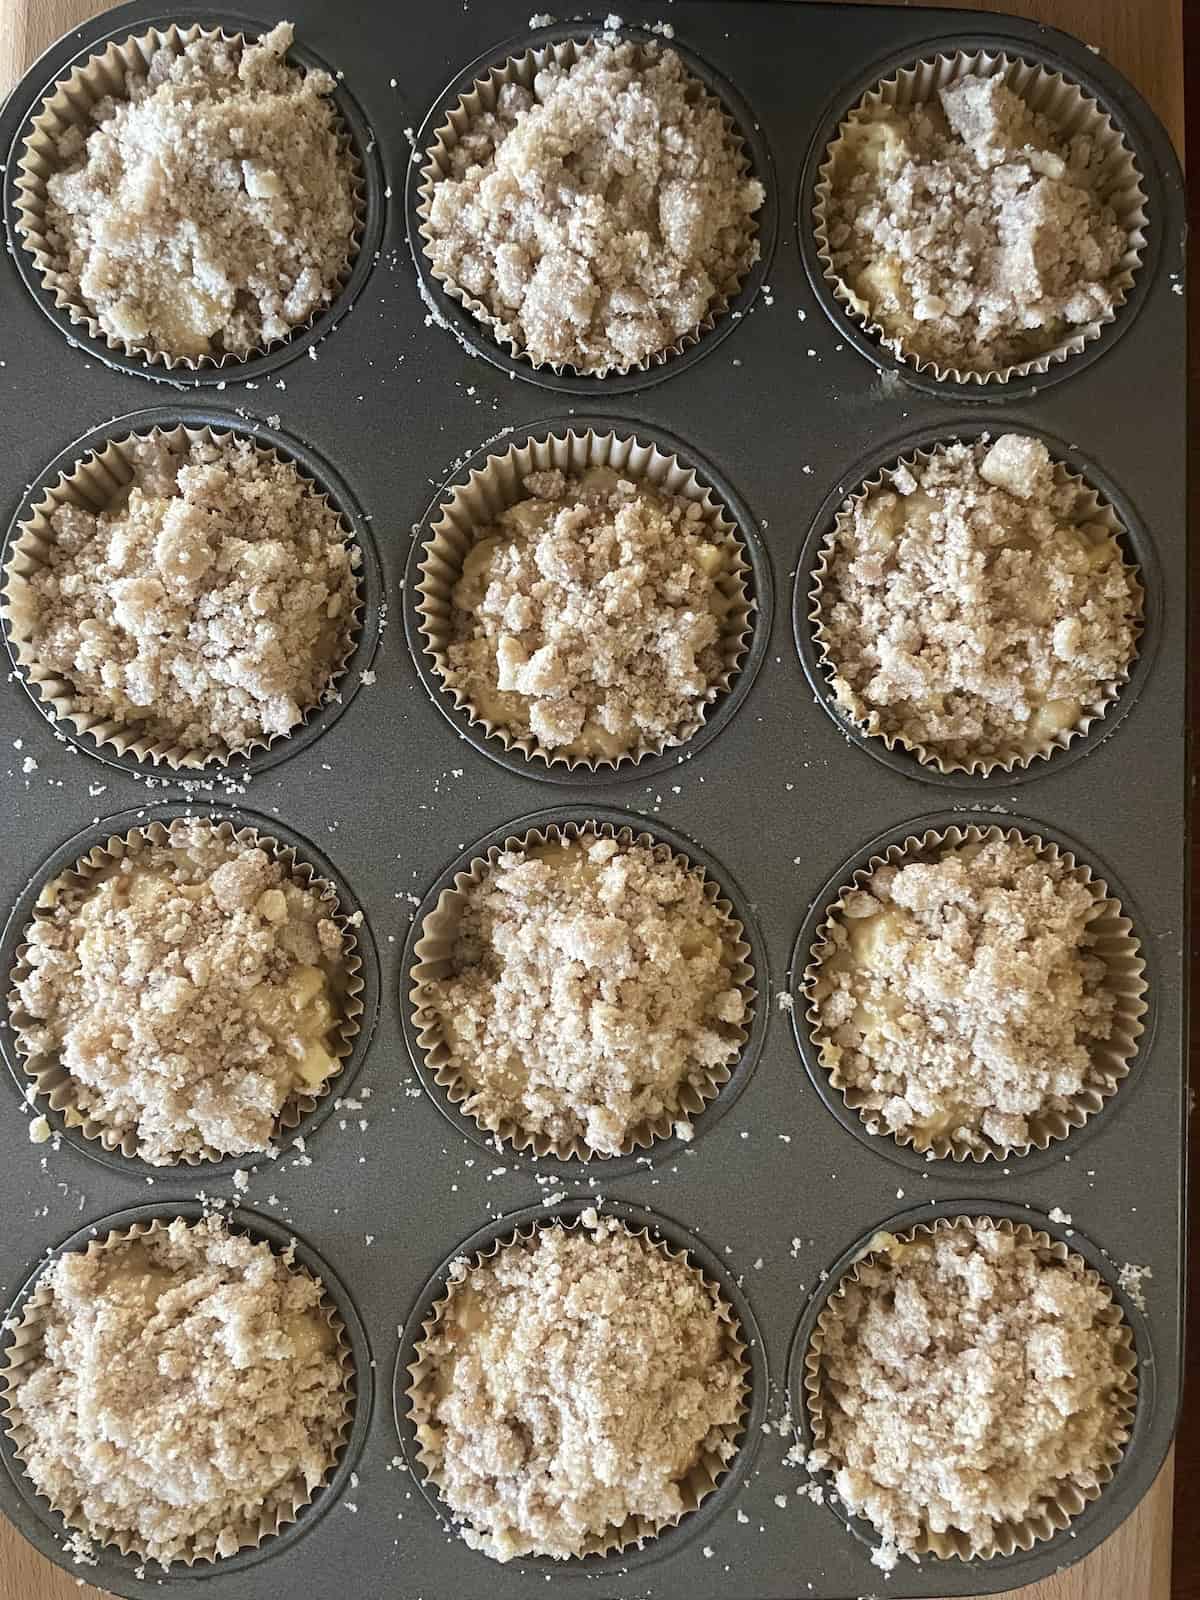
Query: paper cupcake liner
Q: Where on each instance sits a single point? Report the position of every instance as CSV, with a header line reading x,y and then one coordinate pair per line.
x,y
1090,506
433,951
499,484
703,1478
1055,1512
96,482
481,99
1072,111
71,103
1113,942
49,1079
290,1500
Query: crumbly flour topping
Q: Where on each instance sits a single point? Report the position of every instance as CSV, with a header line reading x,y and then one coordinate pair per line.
x,y
971,231
599,216
211,208
188,1388
971,607
963,996
580,1376
209,607
592,614
590,982
189,991
966,1380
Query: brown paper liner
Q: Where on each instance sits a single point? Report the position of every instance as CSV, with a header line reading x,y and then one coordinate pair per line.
x,y
433,952
1054,1513
701,1480
1114,943
1090,507
50,1080
26,1348
481,98
1071,111
95,483
71,103
499,484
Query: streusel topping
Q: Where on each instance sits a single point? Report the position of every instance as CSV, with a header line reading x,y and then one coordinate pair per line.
x,y
975,605
963,995
590,982
208,608
187,1391
971,231
211,208
189,991
580,1376
966,1380
593,615
600,216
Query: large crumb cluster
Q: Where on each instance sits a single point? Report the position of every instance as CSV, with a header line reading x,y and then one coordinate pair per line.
x,y
972,608
188,1391
189,991
962,996
599,217
580,1376
967,1380
590,984
209,608
210,209
592,614
970,231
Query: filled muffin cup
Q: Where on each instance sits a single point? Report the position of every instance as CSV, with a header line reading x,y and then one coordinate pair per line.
x,y
433,952
71,103
1055,1512
291,1499
51,1084
97,482
1071,110
1114,943
1088,506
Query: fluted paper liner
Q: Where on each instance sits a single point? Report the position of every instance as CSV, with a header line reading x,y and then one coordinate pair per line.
x,y
290,1500
1071,110
50,1080
481,99
97,482
433,951
1090,507
473,505
71,103
702,1478
1054,1513
1114,943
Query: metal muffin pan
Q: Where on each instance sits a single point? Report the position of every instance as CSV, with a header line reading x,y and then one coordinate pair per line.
x,y
782,406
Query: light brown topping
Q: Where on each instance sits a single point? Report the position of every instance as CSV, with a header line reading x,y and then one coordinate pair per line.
x,y
599,217
189,992
188,1389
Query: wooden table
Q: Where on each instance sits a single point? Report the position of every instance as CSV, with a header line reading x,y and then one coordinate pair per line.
x,y
1144,39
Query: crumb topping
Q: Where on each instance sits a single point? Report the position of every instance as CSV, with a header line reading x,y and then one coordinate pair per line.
x,y
187,1392
967,1380
963,995
590,984
974,605
600,216
208,608
580,1377
972,232
210,209
189,991
592,614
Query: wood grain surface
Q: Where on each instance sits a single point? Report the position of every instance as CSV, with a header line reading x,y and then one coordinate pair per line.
x,y
1144,38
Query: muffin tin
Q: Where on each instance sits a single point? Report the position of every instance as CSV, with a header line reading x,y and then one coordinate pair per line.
x,y
789,407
